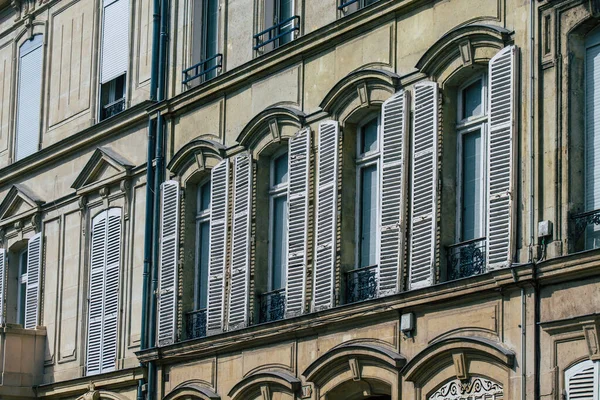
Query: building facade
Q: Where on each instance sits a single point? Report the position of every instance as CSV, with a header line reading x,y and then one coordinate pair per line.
x,y
294,199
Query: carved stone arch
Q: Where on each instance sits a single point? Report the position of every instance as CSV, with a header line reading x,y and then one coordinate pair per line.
x,y
261,385
93,394
356,368
361,89
462,47
192,389
195,157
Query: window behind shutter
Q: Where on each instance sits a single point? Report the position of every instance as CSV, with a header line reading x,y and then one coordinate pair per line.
x,y
240,242
111,295
2,283
501,186
424,179
298,196
393,191
325,251
34,271
169,254
218,246
115,40
582,381
29,103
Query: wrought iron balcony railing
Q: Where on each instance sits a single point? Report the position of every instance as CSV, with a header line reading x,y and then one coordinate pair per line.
x,y
585,221
359,4
112,109
204,70
272,306
279,34
196,324
361,284
466,259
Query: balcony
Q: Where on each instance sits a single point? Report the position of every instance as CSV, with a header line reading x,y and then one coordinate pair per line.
x,y
204,70
277,35
112,109
196,324
466,259
361,284
587,223
272,306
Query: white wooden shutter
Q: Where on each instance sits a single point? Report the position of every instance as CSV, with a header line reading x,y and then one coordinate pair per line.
x,y
393,192
111,294
2,283
298,192
218,246
240,242
501,160
591,199
169,254
582,381
424,180
29,103
34,272
326,216
115,39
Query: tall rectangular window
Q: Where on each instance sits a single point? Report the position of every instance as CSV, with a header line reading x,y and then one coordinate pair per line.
x,y
205,39
279,25
278,221
592,139
29,103
202,246
350,6
22,288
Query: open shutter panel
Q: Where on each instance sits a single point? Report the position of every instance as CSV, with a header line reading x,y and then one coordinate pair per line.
x,y
501,185
115,40
111,294
325,251
583,381
34,271
424,177
240,242
169,254
2,283
298,192
218,246
393,191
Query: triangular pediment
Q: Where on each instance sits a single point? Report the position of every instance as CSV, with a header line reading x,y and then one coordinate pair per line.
x,y
19,202
105,166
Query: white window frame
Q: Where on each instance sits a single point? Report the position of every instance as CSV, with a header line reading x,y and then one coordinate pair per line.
x,y
465,126
364,160
202,216
22,279
276,192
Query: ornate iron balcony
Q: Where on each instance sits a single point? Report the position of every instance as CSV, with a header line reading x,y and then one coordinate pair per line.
x,y
204,70
196,324
361,4
278,34
112,109
583,222
361,284
272,306
466,259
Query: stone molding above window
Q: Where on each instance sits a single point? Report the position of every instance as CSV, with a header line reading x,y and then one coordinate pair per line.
x,y
196,156
20,213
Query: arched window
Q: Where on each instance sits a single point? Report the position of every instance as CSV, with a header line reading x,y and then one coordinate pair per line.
x,y
582,381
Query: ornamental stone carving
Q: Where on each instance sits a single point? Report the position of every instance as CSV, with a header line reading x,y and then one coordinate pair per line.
x,y
471,389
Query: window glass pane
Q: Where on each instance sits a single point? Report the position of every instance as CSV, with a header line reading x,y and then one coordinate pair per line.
x,y
592,142
279,242
369,137
472,186
22,288
368,216
203,259
285,12
204,197
280,169
471,100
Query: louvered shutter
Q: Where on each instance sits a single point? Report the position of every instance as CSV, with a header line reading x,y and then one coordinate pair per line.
x,y
393,192
298,192
111,294
29,103
582,381
501,160
591,199
34,272
218,246
2,283
424,179
326,216
115,40
240,242
169,254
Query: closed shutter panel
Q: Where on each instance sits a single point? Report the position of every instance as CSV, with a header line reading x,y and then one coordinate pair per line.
x,y
298,192
424,178
500,156
325,252
111,295
240,242
34,272
218,246
169,254
29,105
115,40
2,283
583,381
393,191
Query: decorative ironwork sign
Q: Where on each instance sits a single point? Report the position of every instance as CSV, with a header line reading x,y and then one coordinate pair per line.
x,y
471,389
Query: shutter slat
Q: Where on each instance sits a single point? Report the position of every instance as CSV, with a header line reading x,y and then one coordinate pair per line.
x,y
500,196
115,40
326,216
298,197
240,242
34,270
218,246
583,381
169,253
2,283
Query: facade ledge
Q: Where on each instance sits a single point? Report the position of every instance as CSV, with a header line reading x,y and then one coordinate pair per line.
x,y
573,266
